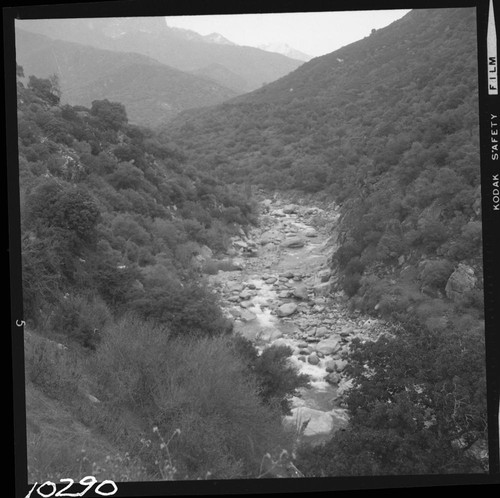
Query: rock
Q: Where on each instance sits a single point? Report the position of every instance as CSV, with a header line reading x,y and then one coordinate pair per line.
x,y
246,294
300,292
278,213
271,280
330,366
235,287
281,341
310,232
313,359
315,422
287,309
247,316
322,289
461,280
340,365
333,378
240,244
235,312
324,275
284,294
322,331
269,335
328,346
205,252
246,304
293,242
290,209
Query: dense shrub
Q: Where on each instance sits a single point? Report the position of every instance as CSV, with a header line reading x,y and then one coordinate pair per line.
x,y
277,378
80,318
197,386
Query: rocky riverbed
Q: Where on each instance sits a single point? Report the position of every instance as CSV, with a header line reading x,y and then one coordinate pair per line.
x,y
280,290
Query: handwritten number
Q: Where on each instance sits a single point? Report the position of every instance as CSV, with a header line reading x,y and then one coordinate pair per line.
x,y
47,483
61,493
97,489
88,481
31,490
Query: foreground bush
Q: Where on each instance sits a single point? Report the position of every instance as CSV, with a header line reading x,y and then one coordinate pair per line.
x,y
196,388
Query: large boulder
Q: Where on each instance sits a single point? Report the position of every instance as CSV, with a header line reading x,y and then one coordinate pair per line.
x,y
247,316
315,422
290,209
286,309
461,281
328,346
300,292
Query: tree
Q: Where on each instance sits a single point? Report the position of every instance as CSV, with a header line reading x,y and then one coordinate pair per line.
x,y
111,114
46,88
417,405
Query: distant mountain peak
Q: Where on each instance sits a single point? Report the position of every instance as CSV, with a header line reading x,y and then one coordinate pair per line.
x,y
285,49
218,38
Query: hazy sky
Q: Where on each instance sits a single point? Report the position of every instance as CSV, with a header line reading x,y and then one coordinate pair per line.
x,y
315,33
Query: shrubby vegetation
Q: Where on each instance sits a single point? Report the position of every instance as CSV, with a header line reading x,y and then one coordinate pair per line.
x,y
418,406
111,219
387,127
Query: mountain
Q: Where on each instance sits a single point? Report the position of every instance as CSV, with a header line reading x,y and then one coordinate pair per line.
x,y
388,128
179,48
151,92
285,49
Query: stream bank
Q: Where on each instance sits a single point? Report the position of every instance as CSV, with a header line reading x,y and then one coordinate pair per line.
x,y
278,291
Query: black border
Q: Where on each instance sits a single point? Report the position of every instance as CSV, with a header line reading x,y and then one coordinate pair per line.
x,y
491,225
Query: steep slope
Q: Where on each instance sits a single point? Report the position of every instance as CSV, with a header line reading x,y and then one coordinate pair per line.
x,y
182,49
388,127
152,92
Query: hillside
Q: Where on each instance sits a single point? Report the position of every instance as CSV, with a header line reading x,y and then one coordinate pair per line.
x,y
125,343
387,126
331,218
152,92
178,48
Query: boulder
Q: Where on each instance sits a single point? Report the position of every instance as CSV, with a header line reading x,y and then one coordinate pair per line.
x,y
310,232
287,309
324,275
278,213
300,292
293,243
314,422
328,346
247,294
322,289
269,335
322,332
290,209
247,316
461,280
333,378
313,359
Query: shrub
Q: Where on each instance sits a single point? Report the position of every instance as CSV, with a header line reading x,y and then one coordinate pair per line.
x,y
435,273
198,386
187,309
277,378
80,318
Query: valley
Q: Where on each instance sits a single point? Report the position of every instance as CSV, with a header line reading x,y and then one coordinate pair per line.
x,y
281,294
227,279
